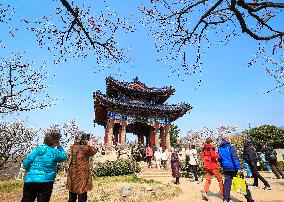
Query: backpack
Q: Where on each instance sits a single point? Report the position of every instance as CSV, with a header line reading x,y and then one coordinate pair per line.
x,y
206,154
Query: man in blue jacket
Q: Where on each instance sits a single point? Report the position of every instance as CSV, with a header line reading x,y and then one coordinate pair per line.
x,y
231,165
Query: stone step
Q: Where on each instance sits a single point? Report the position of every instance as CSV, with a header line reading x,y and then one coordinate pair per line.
x,y
157,173
154,176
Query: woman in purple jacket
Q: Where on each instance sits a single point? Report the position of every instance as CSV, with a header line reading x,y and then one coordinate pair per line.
x,y
175,166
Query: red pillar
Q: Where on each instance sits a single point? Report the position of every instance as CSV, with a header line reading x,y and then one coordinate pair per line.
x,y
122,132
115,134
163,142
109,134
167,136
152,136
106,134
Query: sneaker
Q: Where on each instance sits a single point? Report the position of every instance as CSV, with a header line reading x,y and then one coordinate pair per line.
x,y
196,182
267,187
254,185
205,196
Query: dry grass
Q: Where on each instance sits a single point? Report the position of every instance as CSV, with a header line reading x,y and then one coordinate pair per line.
x,y
104,189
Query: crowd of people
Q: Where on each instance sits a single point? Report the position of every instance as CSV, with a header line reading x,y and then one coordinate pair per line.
x,y
41,165
226,157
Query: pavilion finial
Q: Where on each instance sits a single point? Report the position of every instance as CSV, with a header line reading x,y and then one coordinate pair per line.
x,y
135,79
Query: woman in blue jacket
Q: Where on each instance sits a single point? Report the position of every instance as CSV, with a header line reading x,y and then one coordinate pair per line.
x,y
41,166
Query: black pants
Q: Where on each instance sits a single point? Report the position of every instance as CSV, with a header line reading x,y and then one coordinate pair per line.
x,y
164,164
148,160
194,170
81,197
256,175
37,190
228,184
276,170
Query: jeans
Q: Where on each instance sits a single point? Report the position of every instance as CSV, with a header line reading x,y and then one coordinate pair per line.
x,y
37,190
81,197
209,174
228,184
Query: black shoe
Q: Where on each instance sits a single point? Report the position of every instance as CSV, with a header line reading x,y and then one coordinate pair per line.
x,y
267,187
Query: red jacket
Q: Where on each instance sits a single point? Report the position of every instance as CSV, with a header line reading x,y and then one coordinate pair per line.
x,y
209,157
149,151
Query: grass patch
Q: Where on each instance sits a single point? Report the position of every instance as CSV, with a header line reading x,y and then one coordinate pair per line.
x,y
10,186
125,178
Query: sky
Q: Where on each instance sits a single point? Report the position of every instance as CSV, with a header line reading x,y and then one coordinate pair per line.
x,y
230,93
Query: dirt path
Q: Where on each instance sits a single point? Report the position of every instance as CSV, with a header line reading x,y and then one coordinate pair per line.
x,y
192,192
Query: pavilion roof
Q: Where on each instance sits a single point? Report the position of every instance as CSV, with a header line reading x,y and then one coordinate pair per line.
x,y
104,104
137,90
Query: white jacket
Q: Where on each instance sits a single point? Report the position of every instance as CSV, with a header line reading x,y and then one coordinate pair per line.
x,y
192,154
157,155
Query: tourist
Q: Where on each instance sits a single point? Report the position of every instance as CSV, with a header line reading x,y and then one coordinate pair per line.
x,y
248,171
158,157
193,162
154,148
149,155
211,167
187,166
164,158
175,165
264,160
79,177
177,146
231,166
40,165
250,156
271,157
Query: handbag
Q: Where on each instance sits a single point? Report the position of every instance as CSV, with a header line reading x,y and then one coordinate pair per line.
x,y
239,185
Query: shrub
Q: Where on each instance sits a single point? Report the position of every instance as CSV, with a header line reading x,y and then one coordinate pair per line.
x,y
266,134
116,168
182,164
281,165
10,186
